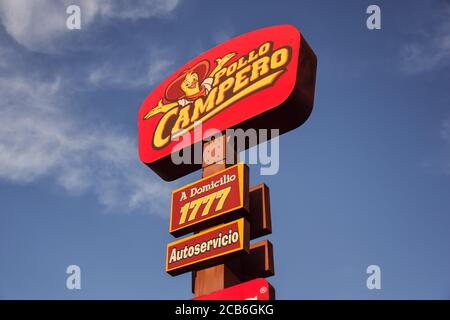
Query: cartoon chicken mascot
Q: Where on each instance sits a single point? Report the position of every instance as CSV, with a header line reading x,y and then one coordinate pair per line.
x,y
191,84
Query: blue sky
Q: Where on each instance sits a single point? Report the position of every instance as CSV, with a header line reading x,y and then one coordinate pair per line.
x,y
365,181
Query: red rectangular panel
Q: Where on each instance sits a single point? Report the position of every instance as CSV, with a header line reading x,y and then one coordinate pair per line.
x,y
215,199
208,247
258,289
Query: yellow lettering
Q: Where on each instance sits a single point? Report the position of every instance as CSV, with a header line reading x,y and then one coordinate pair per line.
x,y
252,56
242,63
279,58
260,68
231,69
257,70
158,140
223,88
183,119
201,107
219,75
208,200
264,48
241,79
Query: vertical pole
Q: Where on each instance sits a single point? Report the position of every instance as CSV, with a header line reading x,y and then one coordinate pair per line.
x,y
219,277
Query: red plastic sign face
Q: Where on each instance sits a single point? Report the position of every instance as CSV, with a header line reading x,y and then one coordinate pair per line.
x,y
258,289
208,247
262,79
208,201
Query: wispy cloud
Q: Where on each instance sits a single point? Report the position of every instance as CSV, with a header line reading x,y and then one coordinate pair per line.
x,y
133,73
38,138
42,136
431,48
445,130
39,25
445,135
139,9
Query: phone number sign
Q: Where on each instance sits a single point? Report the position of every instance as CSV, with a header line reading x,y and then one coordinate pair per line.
x,y
215,199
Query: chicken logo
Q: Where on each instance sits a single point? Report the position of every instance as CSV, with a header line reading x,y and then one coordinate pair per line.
x,y
197,94
189,85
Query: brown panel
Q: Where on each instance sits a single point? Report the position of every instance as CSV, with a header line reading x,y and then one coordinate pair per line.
x,y
259,217
259,263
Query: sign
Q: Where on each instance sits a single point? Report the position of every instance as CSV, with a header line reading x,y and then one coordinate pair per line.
x,y
258,289
208,247
259,217
262,79
212,200
259,263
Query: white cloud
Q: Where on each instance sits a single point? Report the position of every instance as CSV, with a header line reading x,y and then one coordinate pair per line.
x,y
37,25
138,9
431,50
445,130
39,137
445,135
133,73
222,36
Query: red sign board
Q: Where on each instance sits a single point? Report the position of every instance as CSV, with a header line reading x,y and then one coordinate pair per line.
x,y
217,198
262,79
258,289
208,247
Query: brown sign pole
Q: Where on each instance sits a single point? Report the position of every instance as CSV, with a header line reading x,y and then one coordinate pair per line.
x,y
219,277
